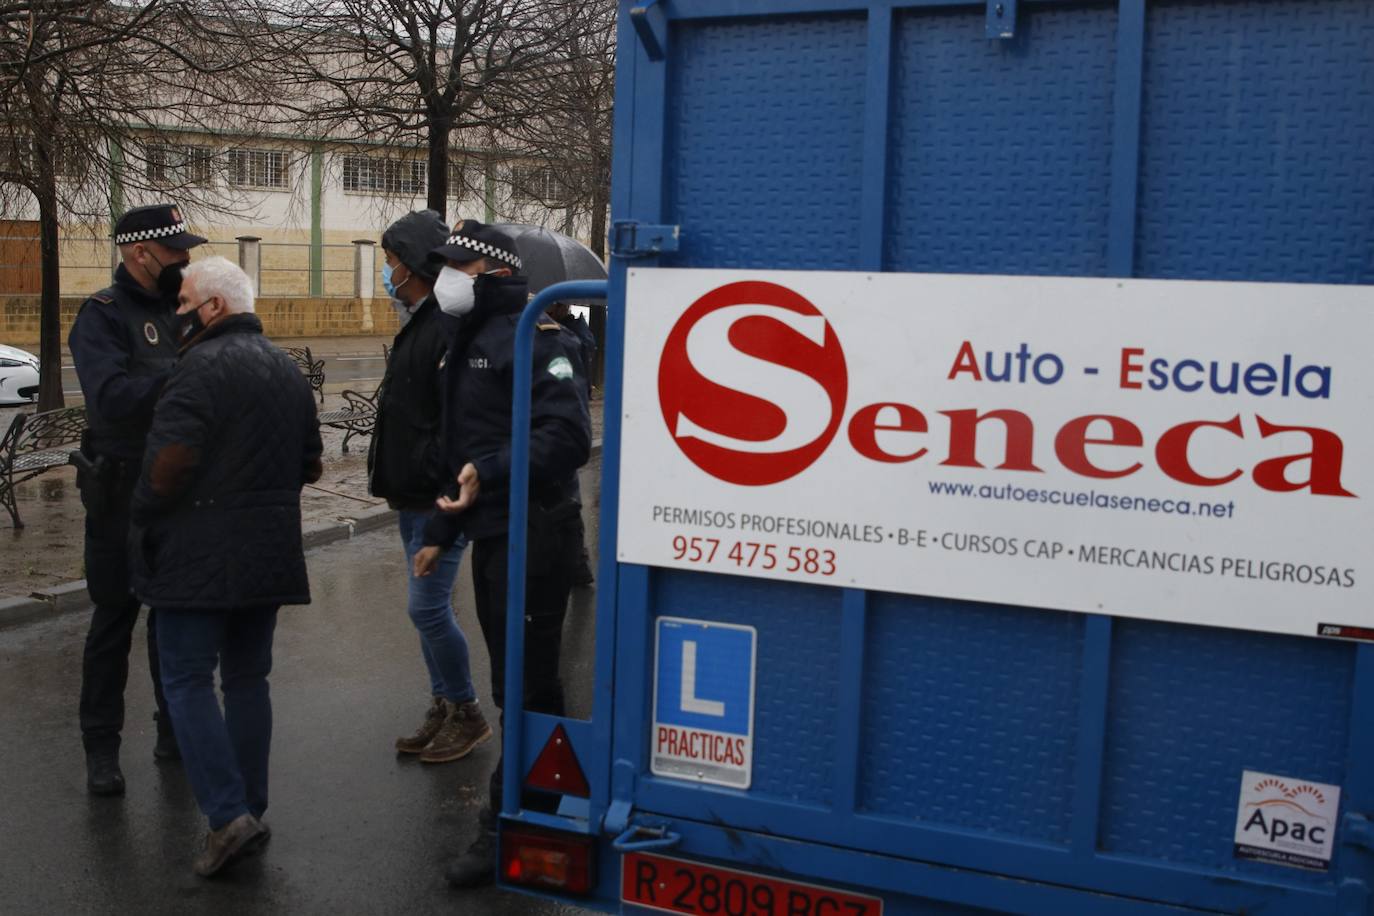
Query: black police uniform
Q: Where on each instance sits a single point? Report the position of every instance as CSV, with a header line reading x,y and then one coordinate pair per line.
x,y
578,339
477,422
123,344
576,326
478,379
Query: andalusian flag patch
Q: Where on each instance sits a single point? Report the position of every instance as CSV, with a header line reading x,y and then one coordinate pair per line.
x,y
560,368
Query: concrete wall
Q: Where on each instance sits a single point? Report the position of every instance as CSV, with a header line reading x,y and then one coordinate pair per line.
x,y
281,317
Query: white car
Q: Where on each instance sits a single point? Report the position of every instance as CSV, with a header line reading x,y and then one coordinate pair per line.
x,y
18,376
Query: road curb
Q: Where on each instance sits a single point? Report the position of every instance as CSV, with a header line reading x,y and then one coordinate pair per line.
x,y
71,596
22,609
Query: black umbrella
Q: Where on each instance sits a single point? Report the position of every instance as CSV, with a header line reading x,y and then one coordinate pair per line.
x,y
551,257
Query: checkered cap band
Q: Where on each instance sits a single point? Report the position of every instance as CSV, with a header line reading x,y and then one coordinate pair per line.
x,y
144,235
490,251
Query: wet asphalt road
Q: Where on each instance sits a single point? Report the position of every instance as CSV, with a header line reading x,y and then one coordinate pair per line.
x,y
355,829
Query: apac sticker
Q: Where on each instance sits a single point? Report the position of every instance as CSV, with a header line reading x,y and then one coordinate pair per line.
x,y
1286,821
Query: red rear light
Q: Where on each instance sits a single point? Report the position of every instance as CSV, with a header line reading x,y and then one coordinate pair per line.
x,y
547,860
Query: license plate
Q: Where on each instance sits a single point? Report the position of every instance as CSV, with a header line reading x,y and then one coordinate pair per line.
x,y
679,886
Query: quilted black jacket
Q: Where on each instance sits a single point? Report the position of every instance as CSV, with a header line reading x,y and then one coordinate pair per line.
x,y
217,510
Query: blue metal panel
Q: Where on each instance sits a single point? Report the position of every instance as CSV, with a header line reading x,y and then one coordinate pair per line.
x,y
898,737
1191,707
970,715
1126,102
877,121
1258,155
849,736
1001,150
1092,733
767,140
798,663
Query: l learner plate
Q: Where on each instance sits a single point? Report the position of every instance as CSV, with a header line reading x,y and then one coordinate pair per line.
x,y
679,886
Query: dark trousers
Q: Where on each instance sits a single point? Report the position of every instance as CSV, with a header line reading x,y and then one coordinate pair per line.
x,y
548,583
105,661
225,754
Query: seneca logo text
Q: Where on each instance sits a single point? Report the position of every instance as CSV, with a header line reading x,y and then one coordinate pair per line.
x,y
753,384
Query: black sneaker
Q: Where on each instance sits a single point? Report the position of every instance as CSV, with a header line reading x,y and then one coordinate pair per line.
x,y
477,866
103,776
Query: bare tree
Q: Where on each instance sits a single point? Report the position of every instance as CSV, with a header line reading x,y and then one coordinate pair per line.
x,y
566,131
408,74
89,88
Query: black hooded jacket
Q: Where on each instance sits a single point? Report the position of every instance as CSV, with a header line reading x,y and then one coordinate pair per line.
x,y
478,388
405,462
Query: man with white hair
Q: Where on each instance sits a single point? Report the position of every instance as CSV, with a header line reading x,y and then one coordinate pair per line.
x,y
217,543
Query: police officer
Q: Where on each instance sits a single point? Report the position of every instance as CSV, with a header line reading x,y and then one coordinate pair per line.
x,y
124,342
482,294
584,344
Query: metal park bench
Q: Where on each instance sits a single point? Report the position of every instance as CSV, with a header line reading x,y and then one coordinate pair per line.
x,y
359,415
35,443
357,418
311,368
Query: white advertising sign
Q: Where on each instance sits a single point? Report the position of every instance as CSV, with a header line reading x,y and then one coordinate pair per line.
x,y
1184,451
1286,821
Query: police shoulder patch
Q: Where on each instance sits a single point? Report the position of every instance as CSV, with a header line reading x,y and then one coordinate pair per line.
x,y
560,368
104,298
548,324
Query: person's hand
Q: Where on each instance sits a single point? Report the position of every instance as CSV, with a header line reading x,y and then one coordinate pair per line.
x,y
426,560
468,487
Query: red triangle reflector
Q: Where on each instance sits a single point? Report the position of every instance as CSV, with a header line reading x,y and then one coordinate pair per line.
x,y
556,768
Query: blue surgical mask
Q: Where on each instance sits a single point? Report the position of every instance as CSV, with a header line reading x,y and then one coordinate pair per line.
x,y
386,281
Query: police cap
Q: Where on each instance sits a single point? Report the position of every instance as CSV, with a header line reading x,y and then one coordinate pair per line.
x,y
161,223
472,240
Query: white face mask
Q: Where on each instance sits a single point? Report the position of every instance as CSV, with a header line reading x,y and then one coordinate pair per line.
x,y
454,292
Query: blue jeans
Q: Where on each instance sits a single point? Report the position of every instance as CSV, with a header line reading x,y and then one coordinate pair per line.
x,y
225,755
430,606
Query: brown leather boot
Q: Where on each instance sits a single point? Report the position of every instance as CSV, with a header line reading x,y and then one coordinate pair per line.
x,y
463,730
434,720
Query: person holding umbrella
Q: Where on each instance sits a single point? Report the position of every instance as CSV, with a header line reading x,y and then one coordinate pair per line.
x,y
575,326
550,257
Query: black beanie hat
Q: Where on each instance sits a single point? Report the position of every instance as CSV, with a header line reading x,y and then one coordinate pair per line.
x,y
412,237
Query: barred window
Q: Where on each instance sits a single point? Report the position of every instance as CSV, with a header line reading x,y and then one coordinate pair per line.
x,y
376,175
535,184
458,175
172,164
20,154
258,168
